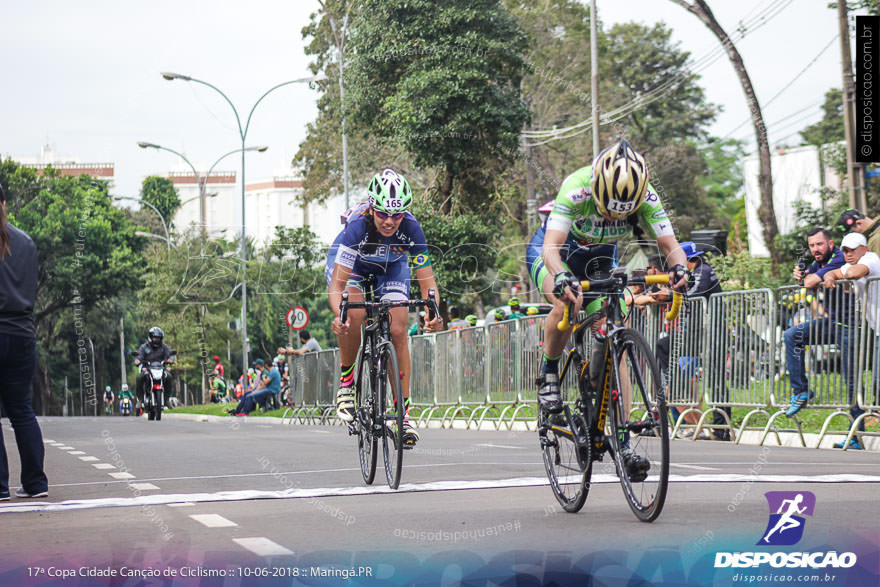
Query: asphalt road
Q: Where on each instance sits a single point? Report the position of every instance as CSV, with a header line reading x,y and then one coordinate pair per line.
x,y
249,498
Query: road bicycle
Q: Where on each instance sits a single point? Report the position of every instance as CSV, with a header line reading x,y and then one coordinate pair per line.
x,y
379,410
596,420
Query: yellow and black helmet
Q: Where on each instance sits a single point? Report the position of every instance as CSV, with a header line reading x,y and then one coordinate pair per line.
x,y
619,181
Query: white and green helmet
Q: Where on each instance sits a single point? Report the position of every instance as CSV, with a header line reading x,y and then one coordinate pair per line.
x,y
389,192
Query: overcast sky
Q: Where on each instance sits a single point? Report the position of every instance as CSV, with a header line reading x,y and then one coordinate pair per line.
x,y
84,76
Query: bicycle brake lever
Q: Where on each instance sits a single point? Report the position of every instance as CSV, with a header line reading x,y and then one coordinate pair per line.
x,y
565,323
432,305
343,308
675,310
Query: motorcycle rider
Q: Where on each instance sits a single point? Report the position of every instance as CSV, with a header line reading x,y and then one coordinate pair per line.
x,y
151,351
124,393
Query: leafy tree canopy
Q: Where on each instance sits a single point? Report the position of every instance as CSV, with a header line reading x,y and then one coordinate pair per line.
x,y
830,128
442,80
161,193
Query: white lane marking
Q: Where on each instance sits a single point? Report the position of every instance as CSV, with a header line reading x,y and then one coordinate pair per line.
x,y
103,466
490,445
308,472
321,431
597,478
121,475
47,441
213,521
89,459
185,504
262,546
65,447
143,486
695,467
77,452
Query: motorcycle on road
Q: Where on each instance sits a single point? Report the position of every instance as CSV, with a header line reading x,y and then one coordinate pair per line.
x,y
154,398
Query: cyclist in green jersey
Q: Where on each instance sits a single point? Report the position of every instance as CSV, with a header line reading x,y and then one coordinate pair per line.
x,y
596,206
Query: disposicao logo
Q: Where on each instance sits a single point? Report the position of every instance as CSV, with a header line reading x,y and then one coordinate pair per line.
x,y
786,524
785,528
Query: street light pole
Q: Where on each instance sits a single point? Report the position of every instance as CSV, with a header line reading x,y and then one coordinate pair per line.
x,y
242,133
201,181
340,42
156,210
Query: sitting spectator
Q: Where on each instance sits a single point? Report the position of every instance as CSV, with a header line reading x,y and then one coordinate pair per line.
x,y
269,385
308,344
455,321
515,309
418,326
500,315
832,328
860,264
218,367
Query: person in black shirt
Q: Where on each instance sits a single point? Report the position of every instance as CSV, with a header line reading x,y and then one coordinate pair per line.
x,y
18,357
833,328
151,351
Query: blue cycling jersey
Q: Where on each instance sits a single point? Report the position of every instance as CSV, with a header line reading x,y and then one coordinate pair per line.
x,y
353,244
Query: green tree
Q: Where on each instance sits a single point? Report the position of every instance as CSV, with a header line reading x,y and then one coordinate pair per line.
x,y
442,80
463,250
830,128
161,193
88,256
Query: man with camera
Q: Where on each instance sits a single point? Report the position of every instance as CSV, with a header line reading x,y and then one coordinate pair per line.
x,y
853,220
823,330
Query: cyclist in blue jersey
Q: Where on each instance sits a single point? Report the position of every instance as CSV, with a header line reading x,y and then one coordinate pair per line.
x,y
379,239
596,206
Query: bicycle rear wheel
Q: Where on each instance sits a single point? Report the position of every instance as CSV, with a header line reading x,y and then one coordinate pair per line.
x,y
569,478
367,406
645,482
391,412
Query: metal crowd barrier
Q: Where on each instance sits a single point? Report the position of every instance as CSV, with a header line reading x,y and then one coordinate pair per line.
x,y
740,355
313,381
728,351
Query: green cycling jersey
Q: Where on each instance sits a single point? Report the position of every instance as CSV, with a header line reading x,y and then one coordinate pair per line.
x,y
574,213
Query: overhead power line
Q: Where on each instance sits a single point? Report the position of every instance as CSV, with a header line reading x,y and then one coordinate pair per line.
x,y
745,27
788,85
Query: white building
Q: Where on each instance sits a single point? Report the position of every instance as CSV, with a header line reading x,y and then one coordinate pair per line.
x,y
67,165
798,174
221,203
268,203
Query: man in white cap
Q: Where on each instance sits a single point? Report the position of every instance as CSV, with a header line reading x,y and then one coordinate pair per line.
x,y
860,265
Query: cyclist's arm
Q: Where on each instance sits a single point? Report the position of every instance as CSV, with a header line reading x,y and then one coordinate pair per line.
x,y
337,286
425,277
553,241
674,255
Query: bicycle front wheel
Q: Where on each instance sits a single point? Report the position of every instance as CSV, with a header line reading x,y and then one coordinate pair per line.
x,y
641,447
368,442
391,410
569,476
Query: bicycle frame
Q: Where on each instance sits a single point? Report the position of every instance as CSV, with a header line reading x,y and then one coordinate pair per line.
x,y
612,288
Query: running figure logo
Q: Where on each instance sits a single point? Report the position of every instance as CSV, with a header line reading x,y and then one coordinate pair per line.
x,y
786,524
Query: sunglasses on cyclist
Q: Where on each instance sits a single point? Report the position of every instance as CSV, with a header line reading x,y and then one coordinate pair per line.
x,y
383,216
